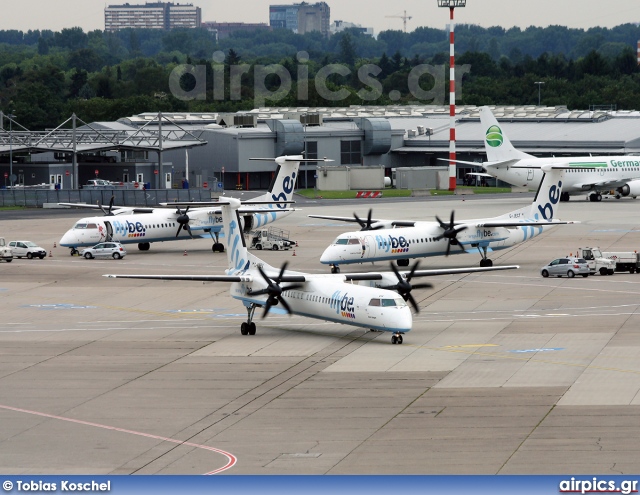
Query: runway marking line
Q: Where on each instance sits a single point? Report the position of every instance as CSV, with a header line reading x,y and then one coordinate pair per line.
x,y
232,460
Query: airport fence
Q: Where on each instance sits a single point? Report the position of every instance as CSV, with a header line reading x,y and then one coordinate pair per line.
x,y
123,197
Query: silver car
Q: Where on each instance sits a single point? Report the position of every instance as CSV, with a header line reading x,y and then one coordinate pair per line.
x,y
113,250
566,266
26,249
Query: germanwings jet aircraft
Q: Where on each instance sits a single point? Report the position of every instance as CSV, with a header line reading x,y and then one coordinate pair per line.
x,y
605,173
401,240
142,226
374,300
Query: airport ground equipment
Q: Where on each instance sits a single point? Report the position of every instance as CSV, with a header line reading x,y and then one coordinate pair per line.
x,y
271,238
597,262
5,251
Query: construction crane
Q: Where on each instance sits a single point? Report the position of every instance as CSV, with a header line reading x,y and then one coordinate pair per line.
x,y
404,18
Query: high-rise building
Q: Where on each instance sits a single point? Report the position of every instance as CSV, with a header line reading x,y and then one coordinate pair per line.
x,y
159,15
301,17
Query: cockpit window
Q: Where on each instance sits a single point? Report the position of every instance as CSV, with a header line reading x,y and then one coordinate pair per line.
x,y
374,302
354,241
393,302
92,226
341,241
80,226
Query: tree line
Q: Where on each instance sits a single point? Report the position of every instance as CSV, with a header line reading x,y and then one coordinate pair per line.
x,y
45,75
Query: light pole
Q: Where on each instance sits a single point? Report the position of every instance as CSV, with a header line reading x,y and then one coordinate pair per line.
x,y
11,117
539,83
451,5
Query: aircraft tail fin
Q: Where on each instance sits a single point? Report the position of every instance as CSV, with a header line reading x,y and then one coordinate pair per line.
x,y
496,142
547,199
284,180
238,256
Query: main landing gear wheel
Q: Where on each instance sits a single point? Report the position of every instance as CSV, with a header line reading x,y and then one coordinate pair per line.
x,y
595,197
486,262
74,252
144,246
249,327
396,338
335,269
217,247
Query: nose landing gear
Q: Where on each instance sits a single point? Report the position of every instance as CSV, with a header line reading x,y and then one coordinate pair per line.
x,y
396,338
249,327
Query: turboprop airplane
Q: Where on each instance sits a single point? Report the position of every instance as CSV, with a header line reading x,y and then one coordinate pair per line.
x,y
374,300
143,226
605,173
401,240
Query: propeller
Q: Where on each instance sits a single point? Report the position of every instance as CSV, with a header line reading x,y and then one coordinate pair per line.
x,y
404,287
274,290
450,232
107,213
183,222
366,225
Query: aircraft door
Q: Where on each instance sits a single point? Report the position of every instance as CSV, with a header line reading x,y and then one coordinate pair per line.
x,y
369,246
167,180
109,228
530,174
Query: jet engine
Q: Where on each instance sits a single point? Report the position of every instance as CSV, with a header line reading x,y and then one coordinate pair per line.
x,y
631,188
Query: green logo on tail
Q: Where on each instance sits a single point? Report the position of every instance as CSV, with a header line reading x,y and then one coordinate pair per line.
x,y
494,136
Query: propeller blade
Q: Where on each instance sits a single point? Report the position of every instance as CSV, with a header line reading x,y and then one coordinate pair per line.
x,y
179,228
267,307
362,224
413,302
188,229
282,270
291,287
284,303
448,248
111,205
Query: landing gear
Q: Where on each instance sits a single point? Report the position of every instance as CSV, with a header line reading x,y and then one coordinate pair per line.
x,y
74,252
217,247
335,269
249,327
144,246
396,338
484,261
403,262
595,197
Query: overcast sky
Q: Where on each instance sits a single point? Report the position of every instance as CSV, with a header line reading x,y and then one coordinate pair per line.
x,y
89,14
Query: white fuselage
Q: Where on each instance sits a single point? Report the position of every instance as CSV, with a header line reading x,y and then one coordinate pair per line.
x,y
159,226
419,242
614,168
324,298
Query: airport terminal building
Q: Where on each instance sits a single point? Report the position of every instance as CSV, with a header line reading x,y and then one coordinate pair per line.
x,y
214,151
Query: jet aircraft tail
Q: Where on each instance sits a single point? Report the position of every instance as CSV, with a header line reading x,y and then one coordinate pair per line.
x,y
496,142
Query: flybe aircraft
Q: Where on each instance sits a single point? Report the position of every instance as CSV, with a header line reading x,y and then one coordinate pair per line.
x,y
375,300
605,173
142,226
401,240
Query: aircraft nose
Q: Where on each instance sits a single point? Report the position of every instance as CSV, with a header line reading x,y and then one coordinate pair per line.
x,y
326,256
405,319
67,239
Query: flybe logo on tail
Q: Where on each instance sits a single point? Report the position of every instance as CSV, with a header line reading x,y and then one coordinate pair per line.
x,y
287,187
494,136
554,196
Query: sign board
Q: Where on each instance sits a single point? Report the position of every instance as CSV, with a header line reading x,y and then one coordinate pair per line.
x,y
205,185
220,186
96,171
6,175
66,173
155,171
136,185
223,170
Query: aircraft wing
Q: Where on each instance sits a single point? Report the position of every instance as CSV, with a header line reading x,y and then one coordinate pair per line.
x,y
196,278
507,223
342,219
606,184
478,174
97,207
424,273
501,164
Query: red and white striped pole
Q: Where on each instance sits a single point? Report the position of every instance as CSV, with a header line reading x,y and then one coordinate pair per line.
x,y
452,105
638,52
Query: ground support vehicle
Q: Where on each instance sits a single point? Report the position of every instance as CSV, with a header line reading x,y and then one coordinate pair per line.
x,y
566,266
5,251
271,238
623,261
26,249
597,262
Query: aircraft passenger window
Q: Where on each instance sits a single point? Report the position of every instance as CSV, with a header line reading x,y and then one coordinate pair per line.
x,y
341,241
374,302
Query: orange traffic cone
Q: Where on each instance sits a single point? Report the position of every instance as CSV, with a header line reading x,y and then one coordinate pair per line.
x,y
54,243
50,255
294,252
296,243
185,253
